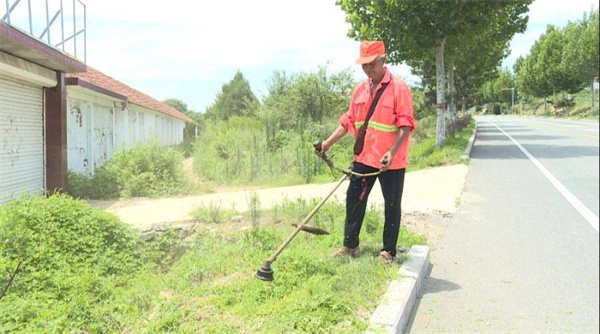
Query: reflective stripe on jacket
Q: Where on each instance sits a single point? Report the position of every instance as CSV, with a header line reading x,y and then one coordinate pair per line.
x,y
394,110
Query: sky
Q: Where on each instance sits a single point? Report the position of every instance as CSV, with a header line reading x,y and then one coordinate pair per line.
x,y
187,49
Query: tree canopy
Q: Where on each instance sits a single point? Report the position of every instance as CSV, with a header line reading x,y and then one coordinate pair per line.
x,y
561,60
296,100
236,98
419,31
177,104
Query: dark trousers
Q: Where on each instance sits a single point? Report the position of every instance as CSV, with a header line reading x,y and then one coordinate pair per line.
x,y
392,185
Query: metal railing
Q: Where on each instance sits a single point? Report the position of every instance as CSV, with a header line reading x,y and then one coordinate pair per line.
x,y
33,18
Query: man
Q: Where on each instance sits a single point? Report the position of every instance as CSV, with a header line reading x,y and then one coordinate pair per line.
x,y
384,147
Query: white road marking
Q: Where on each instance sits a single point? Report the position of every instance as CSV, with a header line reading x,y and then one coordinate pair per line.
x,y
583,210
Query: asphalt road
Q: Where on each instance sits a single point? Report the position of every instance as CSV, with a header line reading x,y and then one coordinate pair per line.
x,y
522,252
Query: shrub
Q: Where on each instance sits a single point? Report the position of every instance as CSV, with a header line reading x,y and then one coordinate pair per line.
x,y
70,255
81,269
145,170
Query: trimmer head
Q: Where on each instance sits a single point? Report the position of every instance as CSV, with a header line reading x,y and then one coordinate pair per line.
x,y
265,273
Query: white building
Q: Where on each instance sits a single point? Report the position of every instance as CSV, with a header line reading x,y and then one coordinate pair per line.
x,y
56,114
105,115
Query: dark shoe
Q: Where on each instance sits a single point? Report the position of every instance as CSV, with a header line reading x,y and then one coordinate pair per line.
x,y
354,252
386,257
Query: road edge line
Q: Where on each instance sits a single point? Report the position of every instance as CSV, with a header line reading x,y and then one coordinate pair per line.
x,y
583,210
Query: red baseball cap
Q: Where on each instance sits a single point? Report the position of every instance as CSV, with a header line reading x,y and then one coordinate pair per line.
x,y
369,51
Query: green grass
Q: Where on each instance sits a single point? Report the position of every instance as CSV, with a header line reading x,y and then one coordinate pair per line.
x,y
213,289
424,153
209,289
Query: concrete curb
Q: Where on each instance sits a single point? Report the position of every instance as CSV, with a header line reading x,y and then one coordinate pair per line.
x,y
467,154
394,311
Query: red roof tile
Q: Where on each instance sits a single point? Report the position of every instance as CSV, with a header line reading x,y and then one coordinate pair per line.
x,y
134,96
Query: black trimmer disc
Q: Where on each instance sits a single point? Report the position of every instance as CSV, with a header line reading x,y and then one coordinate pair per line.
x,y
264,273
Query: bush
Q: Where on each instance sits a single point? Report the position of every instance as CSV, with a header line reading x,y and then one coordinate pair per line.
x,y
146,170
78,265
69,253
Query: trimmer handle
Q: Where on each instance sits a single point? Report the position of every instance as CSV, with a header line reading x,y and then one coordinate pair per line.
x,y
318,145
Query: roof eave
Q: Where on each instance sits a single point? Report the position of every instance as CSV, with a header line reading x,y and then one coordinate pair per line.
x,y
20,44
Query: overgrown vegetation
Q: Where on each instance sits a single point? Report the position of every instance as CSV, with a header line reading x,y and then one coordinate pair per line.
x,y
61,262
84,271
274,147
145,170
239,152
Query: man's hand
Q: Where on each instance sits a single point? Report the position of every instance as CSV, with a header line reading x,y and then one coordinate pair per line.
x,y
386,161
335,136
324,147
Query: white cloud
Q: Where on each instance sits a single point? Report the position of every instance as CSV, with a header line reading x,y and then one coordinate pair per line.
x,y
549,11
194,40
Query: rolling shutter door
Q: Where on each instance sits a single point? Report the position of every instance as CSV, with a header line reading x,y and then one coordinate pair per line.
x,y
21,138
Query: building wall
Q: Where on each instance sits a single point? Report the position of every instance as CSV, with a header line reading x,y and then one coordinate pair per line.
x,y
98,126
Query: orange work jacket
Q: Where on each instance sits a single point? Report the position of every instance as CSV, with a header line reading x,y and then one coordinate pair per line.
x,y
394,110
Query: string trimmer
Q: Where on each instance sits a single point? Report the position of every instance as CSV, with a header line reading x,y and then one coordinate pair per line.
x,y
265,272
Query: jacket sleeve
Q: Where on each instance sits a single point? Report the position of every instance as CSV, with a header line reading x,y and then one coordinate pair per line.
x,y
403,112
348,118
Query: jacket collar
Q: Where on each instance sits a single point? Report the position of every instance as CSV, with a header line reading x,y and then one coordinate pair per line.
x,y
386,78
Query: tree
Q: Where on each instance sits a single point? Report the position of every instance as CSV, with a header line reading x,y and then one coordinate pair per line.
x,y
561,60
294,101
498,90
177,104
473,69
581,54
414,30
236,98
549,62
544,72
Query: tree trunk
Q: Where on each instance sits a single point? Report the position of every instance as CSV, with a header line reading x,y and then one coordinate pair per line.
x,y
452,87
441,98
593,96
554,104
521,107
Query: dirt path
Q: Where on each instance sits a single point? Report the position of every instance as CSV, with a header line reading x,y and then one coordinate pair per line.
x,y
430,196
